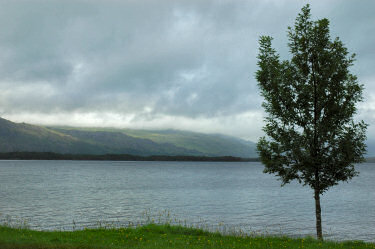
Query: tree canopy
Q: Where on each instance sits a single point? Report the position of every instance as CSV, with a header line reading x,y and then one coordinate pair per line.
x,y
310,101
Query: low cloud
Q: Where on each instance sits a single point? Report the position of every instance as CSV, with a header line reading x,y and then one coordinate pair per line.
x,y
165,64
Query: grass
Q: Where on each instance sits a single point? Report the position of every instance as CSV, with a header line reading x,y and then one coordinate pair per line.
x,y
154,236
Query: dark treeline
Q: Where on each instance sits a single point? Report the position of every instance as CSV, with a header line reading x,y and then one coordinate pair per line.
x,y
116,157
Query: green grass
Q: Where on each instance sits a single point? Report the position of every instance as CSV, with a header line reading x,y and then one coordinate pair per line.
x,y
154,236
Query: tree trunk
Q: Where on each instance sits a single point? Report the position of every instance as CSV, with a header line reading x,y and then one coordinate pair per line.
x,y
318,214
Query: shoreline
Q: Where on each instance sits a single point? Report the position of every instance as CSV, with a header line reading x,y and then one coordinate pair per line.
x,y
118,157
157,236
127,157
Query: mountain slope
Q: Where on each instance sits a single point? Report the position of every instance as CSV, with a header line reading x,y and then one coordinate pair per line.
x,y
120,143
17,137
209,144
205,144
25,137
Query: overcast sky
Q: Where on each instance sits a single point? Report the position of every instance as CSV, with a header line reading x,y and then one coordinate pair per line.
x,y
158,64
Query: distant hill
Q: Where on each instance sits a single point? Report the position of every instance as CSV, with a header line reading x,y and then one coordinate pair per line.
x,y
17,137
209,144
117,142
24,137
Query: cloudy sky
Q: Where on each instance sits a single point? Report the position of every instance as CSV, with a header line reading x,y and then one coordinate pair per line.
x,y
186,64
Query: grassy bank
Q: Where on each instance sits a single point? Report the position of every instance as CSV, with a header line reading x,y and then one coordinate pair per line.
x,y
154,236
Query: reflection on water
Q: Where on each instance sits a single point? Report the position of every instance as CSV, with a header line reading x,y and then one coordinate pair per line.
x,y
53,194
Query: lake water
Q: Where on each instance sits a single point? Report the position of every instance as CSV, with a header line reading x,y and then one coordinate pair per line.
x,y
53,194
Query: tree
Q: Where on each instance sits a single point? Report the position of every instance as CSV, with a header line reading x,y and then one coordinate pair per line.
x,y
310,101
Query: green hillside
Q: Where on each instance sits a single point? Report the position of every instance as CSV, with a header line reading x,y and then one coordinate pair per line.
x,y
21,137
209,144
203,144
26,137
120,143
